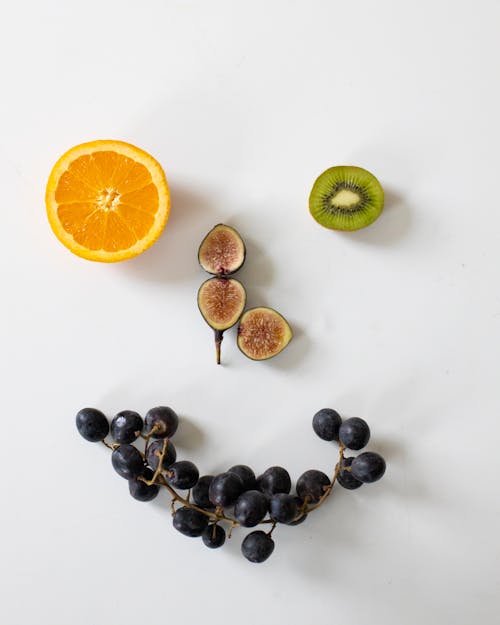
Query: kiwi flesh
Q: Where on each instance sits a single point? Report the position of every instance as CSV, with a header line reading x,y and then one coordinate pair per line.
x,y
263,333
222,251
221,302
346,198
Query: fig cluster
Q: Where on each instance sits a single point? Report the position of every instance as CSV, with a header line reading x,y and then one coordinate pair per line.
x,y
262,332
211,506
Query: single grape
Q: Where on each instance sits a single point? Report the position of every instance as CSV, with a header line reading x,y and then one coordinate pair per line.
x,y
326,424
128,462
153,454
92,424
354,433
200,492
345,478
190,522
140,490
312,484
163,419
213,536
183,474
225,489
283,507
126,426
257,546
274,480
368,467
250,508
247,476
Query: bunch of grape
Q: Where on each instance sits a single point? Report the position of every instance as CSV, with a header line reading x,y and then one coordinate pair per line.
x,y
235,498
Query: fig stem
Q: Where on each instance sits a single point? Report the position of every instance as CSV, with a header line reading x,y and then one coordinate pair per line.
x,y
218,340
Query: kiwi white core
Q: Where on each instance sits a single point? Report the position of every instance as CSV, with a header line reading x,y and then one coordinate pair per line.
x,y
345,198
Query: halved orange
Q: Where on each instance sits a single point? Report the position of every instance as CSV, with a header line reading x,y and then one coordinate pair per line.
x,y
107,200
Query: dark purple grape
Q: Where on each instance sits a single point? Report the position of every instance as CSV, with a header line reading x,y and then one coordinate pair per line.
x,y
213,536
368,467
274,480
354,433
345,478
92,424
200,492
312,484
225,489
126,426
153,455
190,522
326,424
283,507
164,420
183,474
250,508
140,490
128,462
257,546
247,476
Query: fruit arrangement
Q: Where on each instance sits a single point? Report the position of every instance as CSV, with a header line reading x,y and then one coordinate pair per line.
x,y
109,201
214,505
262,332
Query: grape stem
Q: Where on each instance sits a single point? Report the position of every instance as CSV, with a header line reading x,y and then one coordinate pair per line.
x,y
147,437
218,514
112,446
328,489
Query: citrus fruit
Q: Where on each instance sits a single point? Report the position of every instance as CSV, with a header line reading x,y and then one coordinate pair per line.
x,y
107,200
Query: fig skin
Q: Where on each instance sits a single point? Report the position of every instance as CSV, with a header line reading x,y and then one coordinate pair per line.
x,y
239,251
278,319
223,286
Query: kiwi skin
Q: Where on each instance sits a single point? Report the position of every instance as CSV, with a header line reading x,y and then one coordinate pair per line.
x,y
206,240
348,177
288,331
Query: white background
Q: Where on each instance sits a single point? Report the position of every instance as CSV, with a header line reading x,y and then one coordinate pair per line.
x,y
244,104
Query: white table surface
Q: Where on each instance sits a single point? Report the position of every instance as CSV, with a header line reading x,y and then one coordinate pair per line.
x,y
245,104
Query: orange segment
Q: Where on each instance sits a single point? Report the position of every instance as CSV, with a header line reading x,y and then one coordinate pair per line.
x,y
139,221
107,200
137,177
146,198
73,216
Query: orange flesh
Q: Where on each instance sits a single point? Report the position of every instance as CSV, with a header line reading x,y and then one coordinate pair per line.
x,y
106,201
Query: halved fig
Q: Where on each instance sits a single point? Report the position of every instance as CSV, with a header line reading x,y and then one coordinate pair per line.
x,y
263,333
221,302
222,251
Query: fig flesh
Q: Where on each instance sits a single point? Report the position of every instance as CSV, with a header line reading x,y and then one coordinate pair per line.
x,y
221,302
222,251
263,333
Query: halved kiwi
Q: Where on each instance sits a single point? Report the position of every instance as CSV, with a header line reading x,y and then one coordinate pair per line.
x,y
222,251
346,198
221,302
263,333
